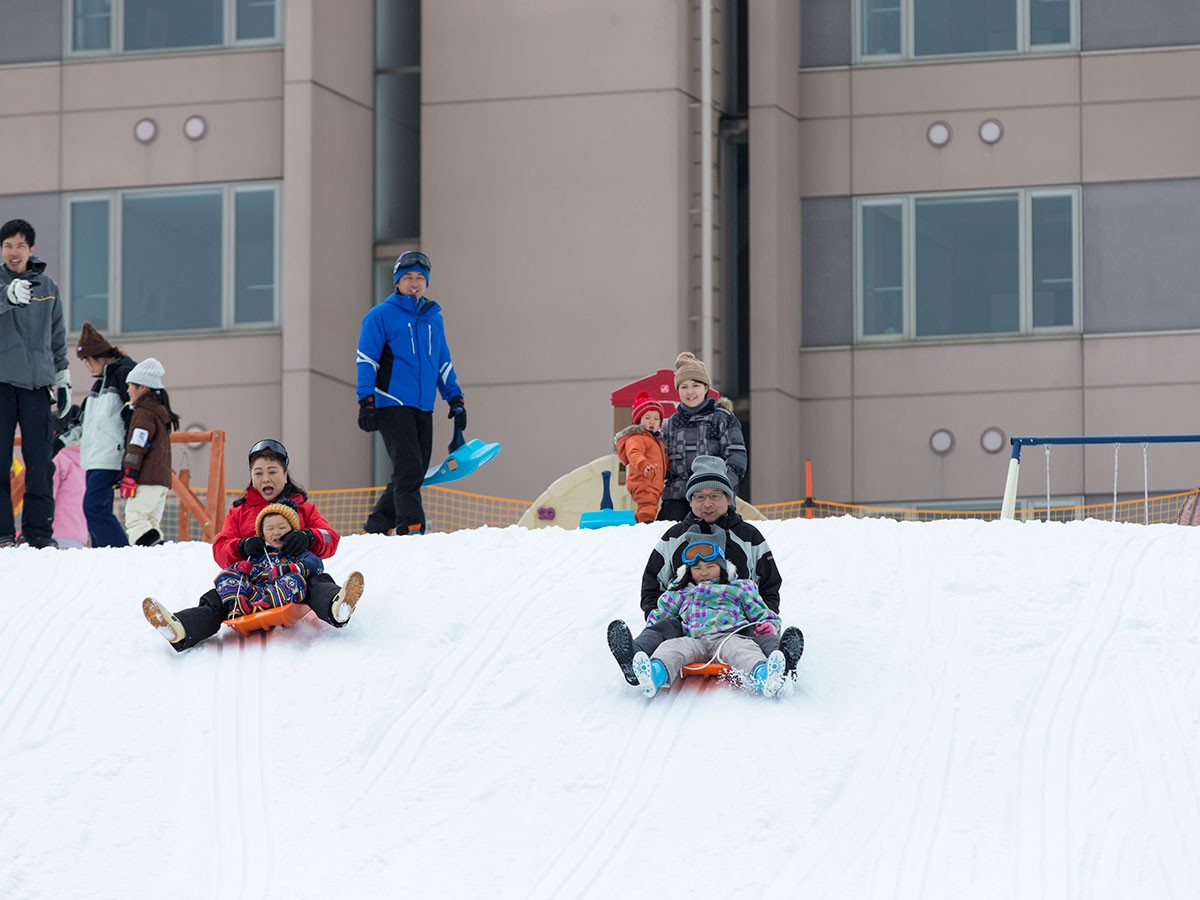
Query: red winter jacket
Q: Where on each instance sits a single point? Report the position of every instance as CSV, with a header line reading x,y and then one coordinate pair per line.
x,y
239,523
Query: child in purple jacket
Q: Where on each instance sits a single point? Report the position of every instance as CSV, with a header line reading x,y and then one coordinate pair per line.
x,y
716,614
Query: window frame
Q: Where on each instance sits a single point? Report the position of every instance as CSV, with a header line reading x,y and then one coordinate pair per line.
x,y
116,45
229,192
908,204
907,53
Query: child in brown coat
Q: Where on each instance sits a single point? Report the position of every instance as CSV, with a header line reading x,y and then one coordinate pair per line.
x,y
147,461
640,448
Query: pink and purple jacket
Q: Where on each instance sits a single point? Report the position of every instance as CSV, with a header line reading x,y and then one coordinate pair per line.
x,y
69,485
714,608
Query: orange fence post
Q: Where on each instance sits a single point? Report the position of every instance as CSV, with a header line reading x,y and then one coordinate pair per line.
x,y
185,478
216,481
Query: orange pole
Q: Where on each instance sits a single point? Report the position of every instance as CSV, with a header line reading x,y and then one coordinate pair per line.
x,y
185,478
216,482
188,501
808,497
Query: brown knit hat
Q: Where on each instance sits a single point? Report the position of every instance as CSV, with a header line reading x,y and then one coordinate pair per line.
x,y
688,367
278,508
92,343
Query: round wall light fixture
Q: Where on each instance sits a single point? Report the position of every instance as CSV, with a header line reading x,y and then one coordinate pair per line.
x,y
196,426
941,441
992,440
991,130
939,134
145,131
195,128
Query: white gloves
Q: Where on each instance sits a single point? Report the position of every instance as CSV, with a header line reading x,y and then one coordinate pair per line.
x,y
19,292
60,394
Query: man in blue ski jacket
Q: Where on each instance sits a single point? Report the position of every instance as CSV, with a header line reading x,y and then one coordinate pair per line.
x,y
402,358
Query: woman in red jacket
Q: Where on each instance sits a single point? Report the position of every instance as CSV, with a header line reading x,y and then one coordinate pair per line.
x,y
238,540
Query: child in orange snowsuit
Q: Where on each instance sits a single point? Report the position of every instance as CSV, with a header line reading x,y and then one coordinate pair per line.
x,y
640,448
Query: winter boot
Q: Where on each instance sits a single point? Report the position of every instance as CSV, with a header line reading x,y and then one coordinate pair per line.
x,y
163,620
769,676
347,598
150,538
651,673
620,642
791,642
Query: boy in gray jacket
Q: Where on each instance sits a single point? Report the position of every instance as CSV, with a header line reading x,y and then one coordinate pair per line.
x,y
33,369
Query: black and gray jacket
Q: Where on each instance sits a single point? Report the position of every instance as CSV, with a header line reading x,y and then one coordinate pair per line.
x,y
745,548
102,445
710,429
33,338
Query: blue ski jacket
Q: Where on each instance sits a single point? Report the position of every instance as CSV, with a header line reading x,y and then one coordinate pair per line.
x,y
403,355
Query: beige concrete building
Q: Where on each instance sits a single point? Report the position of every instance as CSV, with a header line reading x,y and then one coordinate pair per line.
x,y
933,224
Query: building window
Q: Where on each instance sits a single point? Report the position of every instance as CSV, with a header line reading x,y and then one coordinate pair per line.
x,y
936,266
133,26
397,120
890,30
159,261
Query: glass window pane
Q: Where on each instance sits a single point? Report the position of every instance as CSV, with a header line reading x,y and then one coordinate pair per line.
x,y
968,266
883,269
156,24
964,26
1053,262
880,27
255,19
89,263
398,152
91,27
1049,22
171,262
254,256
398,33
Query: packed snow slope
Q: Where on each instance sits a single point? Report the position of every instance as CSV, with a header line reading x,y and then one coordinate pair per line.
x,y
984,710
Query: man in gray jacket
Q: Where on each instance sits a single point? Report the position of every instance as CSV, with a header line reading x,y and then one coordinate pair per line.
x,y
33,368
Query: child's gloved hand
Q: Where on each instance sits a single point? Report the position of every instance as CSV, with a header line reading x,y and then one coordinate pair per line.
x,y
765,628
648,471
128,485
252,547
244,567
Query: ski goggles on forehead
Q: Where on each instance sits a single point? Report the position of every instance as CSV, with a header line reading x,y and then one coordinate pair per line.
x,y
271,446
412,258
701,551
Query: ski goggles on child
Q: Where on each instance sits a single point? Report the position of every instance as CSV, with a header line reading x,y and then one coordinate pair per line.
x,y
701,551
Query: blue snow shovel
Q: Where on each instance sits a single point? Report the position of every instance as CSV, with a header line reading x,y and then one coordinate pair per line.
x,y
606,515
465,457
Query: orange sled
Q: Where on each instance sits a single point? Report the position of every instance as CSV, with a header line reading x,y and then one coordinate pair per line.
x,y
706,670
264,620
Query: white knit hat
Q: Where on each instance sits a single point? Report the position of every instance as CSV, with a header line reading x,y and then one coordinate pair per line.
x,y
148,373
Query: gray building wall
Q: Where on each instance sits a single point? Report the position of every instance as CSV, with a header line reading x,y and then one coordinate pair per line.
x,y
1140,265
1121,24
825,33
827,271
32,30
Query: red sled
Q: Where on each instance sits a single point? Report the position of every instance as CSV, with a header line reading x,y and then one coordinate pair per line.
x,y
705,670
264,620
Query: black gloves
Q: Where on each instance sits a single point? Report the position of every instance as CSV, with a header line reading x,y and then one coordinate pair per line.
x,y
252,547
296,542
458,412
367,419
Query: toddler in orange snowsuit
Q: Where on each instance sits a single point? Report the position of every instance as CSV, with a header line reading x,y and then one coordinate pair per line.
x,y
640,448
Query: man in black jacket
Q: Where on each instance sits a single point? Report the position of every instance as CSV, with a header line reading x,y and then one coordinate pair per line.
x,y
711,498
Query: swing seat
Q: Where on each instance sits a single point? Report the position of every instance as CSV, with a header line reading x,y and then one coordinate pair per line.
x,y
266,619
704,670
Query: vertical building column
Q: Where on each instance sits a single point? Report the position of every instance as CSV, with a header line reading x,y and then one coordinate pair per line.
x,y
327,234
777,458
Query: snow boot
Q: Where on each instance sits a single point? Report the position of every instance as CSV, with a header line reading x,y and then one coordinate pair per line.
x,y
769,676
149,539
791,642
651,673
620,642
347,598
163,620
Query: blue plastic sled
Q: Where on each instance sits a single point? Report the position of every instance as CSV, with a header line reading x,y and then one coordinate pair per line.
x,y
465,457
606,515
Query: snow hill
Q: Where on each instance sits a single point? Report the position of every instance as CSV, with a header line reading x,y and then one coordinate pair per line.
x,y
997,710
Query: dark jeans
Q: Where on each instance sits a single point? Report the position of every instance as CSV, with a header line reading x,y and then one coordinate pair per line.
x,y
203,621
653,635
29,408
102,525
408,436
